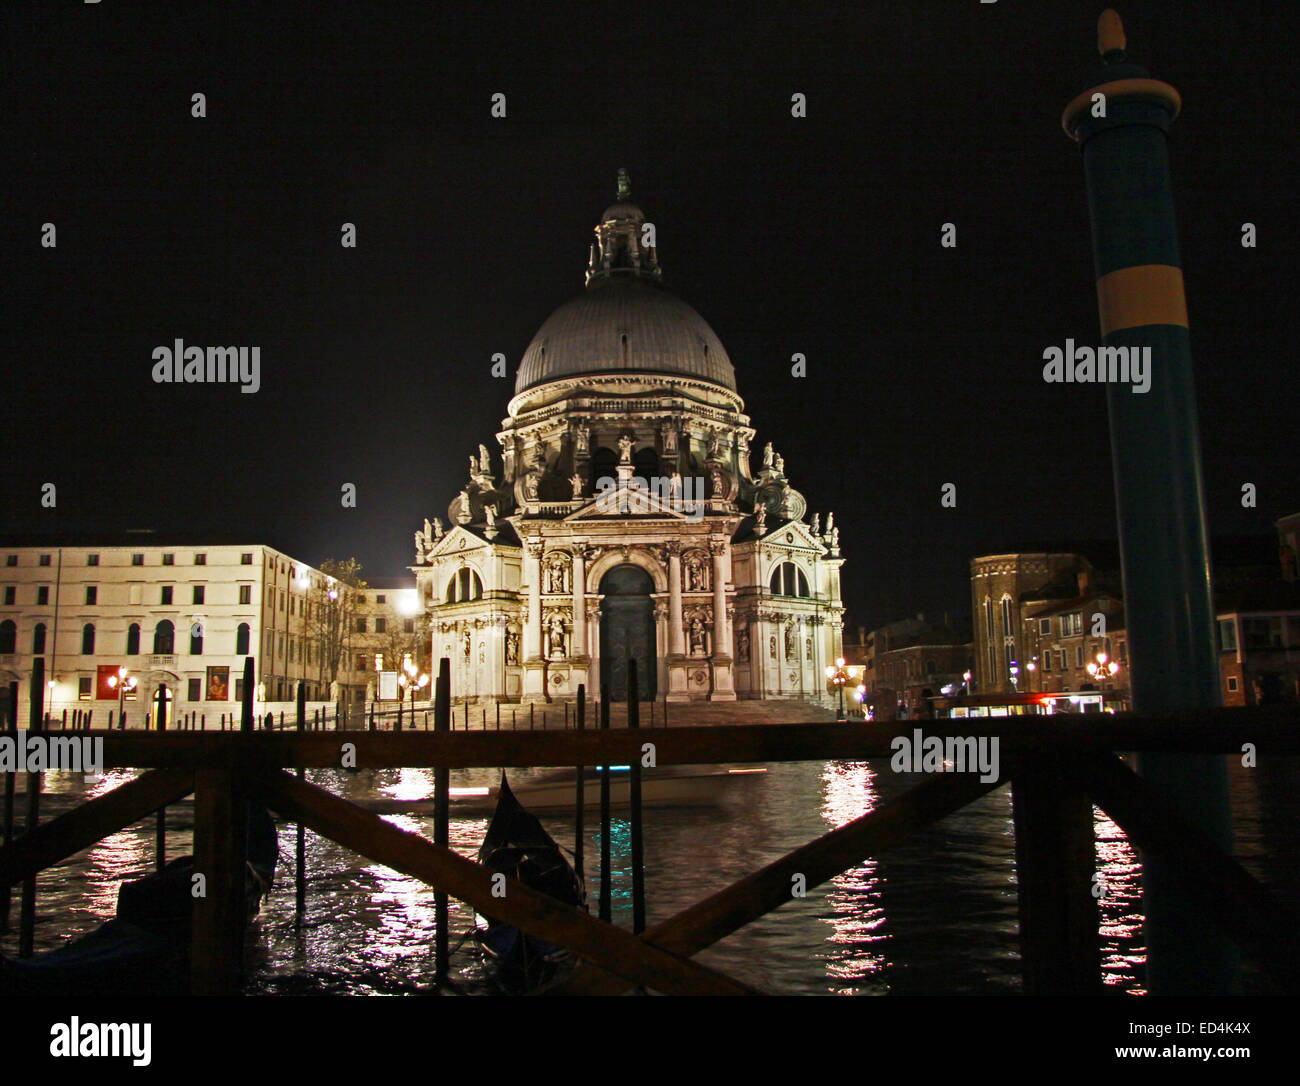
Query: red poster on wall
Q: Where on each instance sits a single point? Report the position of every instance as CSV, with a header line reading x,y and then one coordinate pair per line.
x,y
104,690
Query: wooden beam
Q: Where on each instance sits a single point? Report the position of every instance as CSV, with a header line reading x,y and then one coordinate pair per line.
x,y
220,830
91,822
1245,911
704,923
1272,730
1056,859
537,914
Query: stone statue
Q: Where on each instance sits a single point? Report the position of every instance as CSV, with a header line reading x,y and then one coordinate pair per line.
x,y
490,515
512,647
715,446
419,548
760,518
771,646
437,528
576,481
817,524
780,464
697,635
808,648
791,653
581,436
830,521
695,575
742,644
467,640
767,455
625,444
531,483
555,636
484,461
462,508
675,486
835,539
669,433
473,466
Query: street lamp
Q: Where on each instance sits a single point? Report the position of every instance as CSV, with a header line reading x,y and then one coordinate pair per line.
x,y
413,679
966,678
122,682
1014,670
1104,668
839,674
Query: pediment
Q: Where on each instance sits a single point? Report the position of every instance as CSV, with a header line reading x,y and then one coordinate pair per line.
x,y
626,503
793,534
457,541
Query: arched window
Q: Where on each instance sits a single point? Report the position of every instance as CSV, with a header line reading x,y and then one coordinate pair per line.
x,y
88,639
133,639
8,636
929,667
603,466
789,580
164,638
1007,631
241,639
38,639
196,639
464,586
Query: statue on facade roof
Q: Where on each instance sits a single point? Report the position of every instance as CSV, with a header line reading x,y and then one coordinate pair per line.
x,y
760,517
768,455
780,464
437,527
484,461
625,444
817,524
419,548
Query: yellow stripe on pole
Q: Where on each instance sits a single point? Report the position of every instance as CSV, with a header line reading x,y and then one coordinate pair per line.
x,y
1143,294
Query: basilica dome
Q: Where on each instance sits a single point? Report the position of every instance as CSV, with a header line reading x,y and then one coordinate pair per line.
x,y
626,321
625,325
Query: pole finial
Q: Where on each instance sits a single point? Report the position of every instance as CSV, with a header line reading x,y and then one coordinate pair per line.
x,y
1110,33
624,184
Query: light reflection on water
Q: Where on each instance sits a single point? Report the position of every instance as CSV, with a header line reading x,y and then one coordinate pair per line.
x,y
937,913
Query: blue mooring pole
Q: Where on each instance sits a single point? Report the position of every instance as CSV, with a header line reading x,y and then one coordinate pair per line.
x,y
1121,123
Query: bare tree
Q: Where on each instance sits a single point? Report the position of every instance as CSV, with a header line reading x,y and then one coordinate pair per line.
x,y
333,613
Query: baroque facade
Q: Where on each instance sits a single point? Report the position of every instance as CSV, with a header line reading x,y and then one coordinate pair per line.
x,y
625,520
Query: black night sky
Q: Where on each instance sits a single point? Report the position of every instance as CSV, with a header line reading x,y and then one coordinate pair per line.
x,y
818,236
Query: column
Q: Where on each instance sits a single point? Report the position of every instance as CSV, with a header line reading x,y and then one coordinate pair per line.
x,y
579,643
676,637
533,622
723,683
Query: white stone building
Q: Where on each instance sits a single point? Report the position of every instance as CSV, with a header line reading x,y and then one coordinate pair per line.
x,y
625,520
184,616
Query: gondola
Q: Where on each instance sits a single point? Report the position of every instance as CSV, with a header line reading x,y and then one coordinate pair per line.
x,y
517,846
145,949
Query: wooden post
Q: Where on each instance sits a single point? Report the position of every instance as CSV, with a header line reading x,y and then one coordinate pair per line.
x,y
300,850
220,830
160,830
11,730
634,790
532,714
203,722
1055,865
27,906
441,816
498,716
246,710
580,798
372,716
63,721
605,910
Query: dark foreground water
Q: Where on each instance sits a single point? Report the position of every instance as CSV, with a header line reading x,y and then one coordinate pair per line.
x,y
937,915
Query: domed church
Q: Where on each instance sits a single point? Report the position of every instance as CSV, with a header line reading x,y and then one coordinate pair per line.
x,y
624,520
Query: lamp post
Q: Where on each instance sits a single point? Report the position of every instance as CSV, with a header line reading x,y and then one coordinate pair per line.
x,y
839,674
965,678
413,679
122,681
1014,671
1101,669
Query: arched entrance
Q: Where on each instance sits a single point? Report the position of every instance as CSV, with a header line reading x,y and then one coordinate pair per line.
x,y
627,631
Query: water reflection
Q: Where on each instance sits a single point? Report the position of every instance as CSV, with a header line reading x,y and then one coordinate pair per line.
x,y
937,913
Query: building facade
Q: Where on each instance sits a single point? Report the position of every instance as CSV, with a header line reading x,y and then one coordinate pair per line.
x,y
624,520
179,617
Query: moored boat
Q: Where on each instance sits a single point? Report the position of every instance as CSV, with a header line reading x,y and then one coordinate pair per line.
x,y
517,846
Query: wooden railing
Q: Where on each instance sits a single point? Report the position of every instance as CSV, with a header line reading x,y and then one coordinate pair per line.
x,y
1058,768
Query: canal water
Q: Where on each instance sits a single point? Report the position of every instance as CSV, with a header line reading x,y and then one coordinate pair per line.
x,y
935,915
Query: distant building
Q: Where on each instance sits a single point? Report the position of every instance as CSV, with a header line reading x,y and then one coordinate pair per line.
x,y
183,616
908,662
